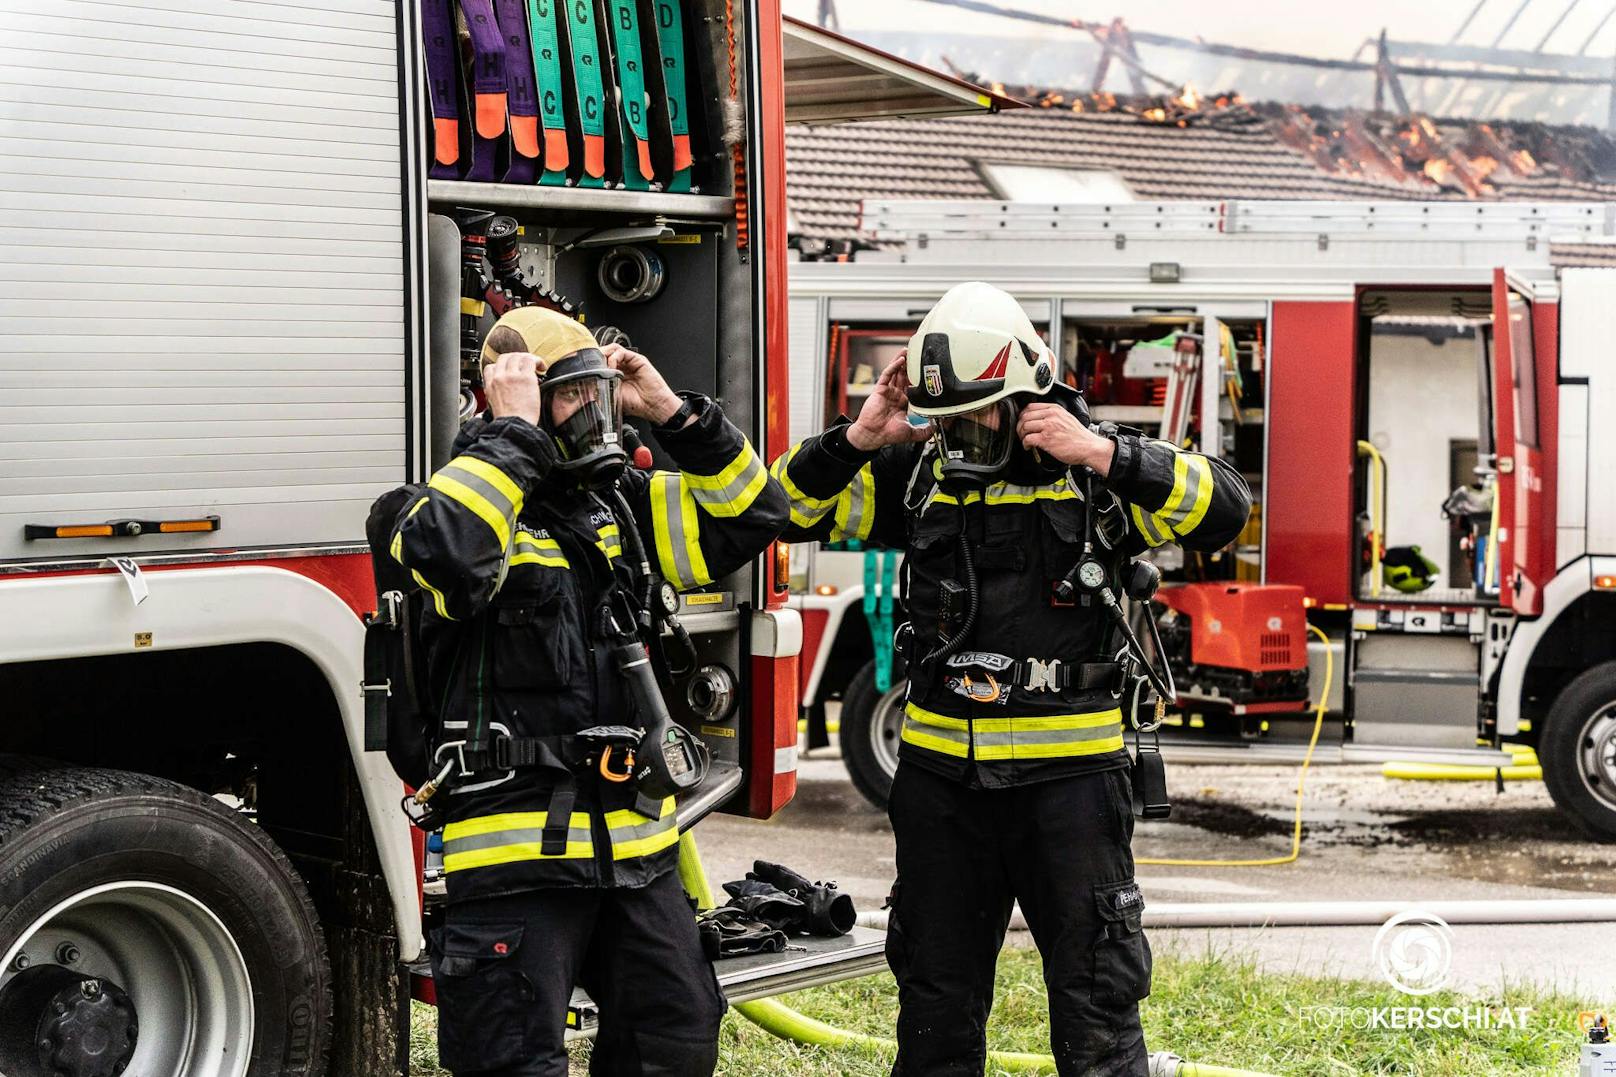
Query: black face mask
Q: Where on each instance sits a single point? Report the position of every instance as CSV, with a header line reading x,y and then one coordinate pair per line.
x,y
590,438
1023,466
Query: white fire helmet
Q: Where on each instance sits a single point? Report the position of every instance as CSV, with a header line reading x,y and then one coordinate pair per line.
x,y
975,347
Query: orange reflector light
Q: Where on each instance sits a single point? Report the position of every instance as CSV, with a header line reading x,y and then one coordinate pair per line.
x,y
825,589
1308,602
1605,583
169,527
782,566
85,531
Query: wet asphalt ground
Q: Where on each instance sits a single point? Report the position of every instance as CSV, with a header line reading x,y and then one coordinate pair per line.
x,y
1365,837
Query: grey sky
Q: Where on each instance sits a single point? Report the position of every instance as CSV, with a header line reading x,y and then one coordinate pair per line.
x,y
1323,30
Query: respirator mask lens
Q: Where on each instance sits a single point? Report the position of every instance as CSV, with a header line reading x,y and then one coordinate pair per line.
x,y
583,414
975,446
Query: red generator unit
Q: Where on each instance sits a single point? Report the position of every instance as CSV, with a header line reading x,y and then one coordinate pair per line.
x,y
1241,645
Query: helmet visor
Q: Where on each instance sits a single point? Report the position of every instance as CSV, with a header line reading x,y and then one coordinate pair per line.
x,y
584,415
977,442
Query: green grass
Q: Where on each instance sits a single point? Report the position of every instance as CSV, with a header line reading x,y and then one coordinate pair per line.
x,y
1208,1007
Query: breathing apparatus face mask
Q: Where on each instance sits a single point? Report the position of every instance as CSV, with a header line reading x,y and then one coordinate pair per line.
x,y
583,414
975,446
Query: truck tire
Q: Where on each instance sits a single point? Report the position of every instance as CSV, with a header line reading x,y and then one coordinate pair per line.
x,y
1578,751
148,929
871,723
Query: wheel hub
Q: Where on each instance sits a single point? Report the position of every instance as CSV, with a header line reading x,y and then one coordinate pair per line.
x,y
60,1023
1598,752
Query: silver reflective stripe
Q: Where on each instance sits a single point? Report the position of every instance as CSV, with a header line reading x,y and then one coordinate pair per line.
x,y
1047,736
519,836
676,537
854,511
805,511
737,494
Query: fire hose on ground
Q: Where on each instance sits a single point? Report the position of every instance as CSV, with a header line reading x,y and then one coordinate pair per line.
x,y
778,1019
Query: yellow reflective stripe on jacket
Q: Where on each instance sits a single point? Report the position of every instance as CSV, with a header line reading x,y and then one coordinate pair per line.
x,y
543,550
1004,493
924,729
677,532
805,511
633,834
484,490
855,507
509,838
1192,493
1151,529
610,541
731,491
1050,736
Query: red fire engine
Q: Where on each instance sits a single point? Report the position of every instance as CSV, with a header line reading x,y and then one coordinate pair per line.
x,y
236,313
1411,390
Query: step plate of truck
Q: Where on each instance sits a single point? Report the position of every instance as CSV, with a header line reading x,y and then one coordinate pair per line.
x,y
811,962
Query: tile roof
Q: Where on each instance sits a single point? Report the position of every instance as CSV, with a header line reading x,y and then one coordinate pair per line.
x,y
1230,153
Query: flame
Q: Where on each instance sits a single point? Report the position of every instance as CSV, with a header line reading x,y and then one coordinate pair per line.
x,y
1154,115
1523,162
1188,97
1483,166
1438,169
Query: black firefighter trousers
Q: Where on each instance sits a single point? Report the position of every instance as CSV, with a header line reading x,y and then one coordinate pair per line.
x,y
504,968
1060,848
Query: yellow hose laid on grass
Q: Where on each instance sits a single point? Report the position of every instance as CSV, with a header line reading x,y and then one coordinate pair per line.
x,y
1525,768
778,1019
1301,777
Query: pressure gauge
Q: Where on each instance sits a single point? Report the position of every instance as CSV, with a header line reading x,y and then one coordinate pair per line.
x,y
668,596
1091,574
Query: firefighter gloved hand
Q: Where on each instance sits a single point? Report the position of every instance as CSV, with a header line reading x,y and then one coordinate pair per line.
x,y
1053,430
830,912
644,391
884,418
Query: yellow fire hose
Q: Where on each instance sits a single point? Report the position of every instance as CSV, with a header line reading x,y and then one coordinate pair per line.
x,y
778,1019
1301,777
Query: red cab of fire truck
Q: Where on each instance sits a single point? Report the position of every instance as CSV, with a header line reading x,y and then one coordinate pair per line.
x,y
1409,390
239,310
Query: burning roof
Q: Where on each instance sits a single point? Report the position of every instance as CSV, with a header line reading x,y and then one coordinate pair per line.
x,y
1193,145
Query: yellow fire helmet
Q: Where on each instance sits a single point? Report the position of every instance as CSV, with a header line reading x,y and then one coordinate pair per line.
x,y
546,333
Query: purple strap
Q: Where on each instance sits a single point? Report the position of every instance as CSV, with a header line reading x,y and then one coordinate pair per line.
x,y
524,97
490,156
443,82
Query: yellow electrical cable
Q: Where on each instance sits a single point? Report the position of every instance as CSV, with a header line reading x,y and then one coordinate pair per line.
x,y
1301,777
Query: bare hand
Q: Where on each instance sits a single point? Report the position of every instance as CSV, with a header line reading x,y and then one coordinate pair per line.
x,y
1054,431
884,419
643,391
512,385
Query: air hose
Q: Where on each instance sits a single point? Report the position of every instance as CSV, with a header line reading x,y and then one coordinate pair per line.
x,y
1301,777
778,1019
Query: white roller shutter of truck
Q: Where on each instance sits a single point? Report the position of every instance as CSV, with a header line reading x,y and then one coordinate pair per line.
x,y
205,227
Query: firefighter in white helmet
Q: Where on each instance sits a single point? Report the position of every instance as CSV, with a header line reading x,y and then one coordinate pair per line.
x,y
1013,782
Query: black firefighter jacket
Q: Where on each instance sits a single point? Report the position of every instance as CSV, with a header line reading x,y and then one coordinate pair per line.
x,y
1012,725
516,568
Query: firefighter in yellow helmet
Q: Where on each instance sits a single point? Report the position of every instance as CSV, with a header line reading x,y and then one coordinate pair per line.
x,y
557,874
1013,782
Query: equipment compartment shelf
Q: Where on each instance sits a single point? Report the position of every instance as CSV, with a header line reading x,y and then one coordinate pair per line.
x,y
581,200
